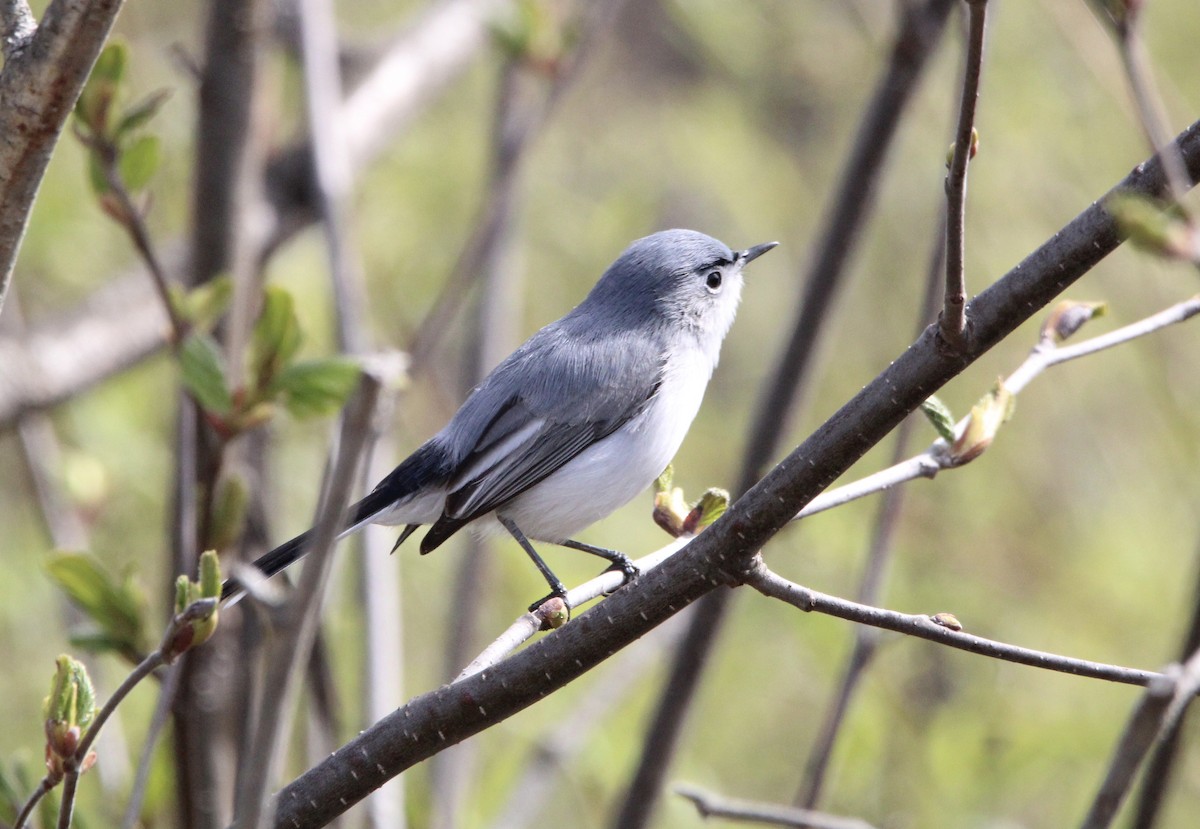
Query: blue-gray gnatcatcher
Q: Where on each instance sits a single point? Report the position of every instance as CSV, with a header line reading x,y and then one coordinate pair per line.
x,y
578,420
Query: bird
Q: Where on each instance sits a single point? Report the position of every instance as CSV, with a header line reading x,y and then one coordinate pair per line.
x,y
576,422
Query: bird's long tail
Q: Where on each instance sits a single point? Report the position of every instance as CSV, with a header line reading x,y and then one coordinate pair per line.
x,y
428,465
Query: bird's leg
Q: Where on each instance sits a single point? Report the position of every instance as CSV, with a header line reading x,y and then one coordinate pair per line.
x,y
556,587
620,561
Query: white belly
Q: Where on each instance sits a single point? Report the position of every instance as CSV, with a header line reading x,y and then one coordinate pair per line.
x,y
610,473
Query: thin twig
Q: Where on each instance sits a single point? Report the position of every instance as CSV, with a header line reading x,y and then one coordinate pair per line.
x,y
866,639
953,323
770,814
1156,714
41,791
767,582
1045,355
162,714
1151,113
525,626
288,652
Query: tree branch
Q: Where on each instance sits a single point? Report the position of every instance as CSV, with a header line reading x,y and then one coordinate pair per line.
x,y
725,551
953,323
748,811
43,74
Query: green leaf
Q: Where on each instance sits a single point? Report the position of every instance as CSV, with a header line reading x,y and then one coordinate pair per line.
x,y
139,162
204,373
98,93
276,337
116,606
140,113
317,387
111,63
939,415
204,305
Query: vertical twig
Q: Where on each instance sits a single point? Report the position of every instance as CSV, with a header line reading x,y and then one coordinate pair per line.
x,y
16,27
290,647
1157,713
1161,765
917,33
866,639
953,324
222,227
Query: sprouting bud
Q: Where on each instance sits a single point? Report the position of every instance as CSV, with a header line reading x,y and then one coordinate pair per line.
x,y
670,508
68,712
986,417
946,620
709,508
1067,317
939,415
554,613
972,151
196,609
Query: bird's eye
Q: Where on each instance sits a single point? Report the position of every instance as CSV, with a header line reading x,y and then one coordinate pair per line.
x,y
713,281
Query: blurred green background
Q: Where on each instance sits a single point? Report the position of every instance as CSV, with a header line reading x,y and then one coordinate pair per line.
x,y
1075,533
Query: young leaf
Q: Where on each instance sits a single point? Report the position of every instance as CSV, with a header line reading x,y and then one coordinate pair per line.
x,y
116,606
276,336
139,162
204,305
140,113
204,373
940,417
317,387
98,93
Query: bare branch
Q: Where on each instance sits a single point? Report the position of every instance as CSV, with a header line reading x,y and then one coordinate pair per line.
x,y
290,647
117,327
38,88
771,814
762,579
725,551
938,457
953,322
1156,714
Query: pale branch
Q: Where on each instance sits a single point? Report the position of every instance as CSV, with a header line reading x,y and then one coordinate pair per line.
x,y
415,69
41,79
938,456
1149,105
770,814
292,643
17,26
953,321
118,326
724,552
1155,715
528,624
767,582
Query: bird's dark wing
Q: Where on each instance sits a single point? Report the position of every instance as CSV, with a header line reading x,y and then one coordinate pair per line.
x,y
579,392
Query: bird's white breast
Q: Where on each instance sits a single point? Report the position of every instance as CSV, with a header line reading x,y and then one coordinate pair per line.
x,y
610,473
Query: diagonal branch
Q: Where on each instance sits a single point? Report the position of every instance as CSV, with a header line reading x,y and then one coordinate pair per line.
x,y
723,553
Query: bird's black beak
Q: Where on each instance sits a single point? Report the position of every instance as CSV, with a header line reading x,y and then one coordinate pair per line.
x,y
750,254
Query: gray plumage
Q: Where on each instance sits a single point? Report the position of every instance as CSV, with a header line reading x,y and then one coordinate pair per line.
x,y
580,418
